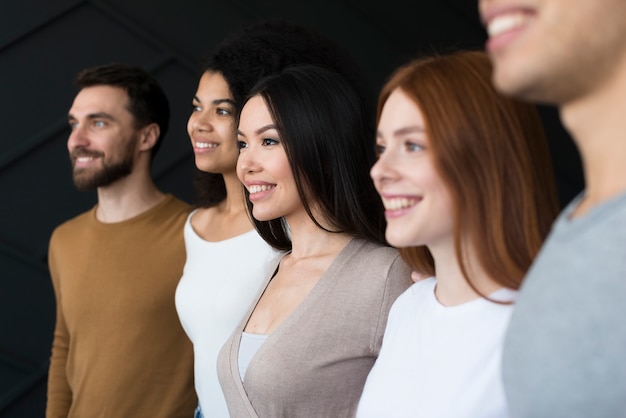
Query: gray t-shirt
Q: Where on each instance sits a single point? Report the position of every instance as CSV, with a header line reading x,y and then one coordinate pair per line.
x,y
565,350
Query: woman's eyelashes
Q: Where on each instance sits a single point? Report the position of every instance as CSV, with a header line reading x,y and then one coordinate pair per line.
x,y
265,142
223,111
379,148
409,146
196,106
220,111
414,146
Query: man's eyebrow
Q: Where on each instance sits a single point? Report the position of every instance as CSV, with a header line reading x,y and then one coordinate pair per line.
x,y
100,115
91,116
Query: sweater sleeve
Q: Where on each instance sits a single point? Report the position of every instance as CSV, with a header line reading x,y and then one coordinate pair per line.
x,y
398,280
59,392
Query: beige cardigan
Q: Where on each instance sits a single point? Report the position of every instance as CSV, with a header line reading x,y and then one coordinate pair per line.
x,y
316,362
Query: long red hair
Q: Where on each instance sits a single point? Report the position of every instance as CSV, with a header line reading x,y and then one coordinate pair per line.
x,y
492,153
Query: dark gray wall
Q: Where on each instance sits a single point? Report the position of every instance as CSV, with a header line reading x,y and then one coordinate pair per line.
x,y
43,44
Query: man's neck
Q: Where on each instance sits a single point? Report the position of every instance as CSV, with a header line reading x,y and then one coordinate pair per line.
x,y
127,198
597,123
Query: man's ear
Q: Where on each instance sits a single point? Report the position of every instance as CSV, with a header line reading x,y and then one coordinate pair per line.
x,y
148,136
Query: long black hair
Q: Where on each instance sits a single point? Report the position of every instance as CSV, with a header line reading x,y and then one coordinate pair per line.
x,y
323,126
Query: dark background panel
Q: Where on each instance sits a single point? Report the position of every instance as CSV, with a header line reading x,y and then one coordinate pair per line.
x,y
43,44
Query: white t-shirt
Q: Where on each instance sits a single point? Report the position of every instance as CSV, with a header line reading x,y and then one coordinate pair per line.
x,y
220,281
437,361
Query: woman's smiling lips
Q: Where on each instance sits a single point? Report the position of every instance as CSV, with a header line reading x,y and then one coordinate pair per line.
x,y
259,190
396,206
202,146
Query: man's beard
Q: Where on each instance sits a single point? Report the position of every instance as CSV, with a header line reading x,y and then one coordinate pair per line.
x,y
86,179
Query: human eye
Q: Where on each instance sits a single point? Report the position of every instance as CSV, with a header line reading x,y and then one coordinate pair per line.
x,y
379,149
268,141
99,123
224,111
241,145
73,124
195,106
413,146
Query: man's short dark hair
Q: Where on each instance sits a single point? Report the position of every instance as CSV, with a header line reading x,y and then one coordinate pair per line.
x,y
147,101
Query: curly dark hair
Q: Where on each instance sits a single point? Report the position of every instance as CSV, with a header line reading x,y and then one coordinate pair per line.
x,y
265,48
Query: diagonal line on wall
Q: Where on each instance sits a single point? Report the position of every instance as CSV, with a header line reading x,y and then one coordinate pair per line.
x,y
17,152
61,14
23,258
23,386
132,26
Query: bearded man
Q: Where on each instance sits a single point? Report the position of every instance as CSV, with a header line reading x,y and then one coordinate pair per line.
x,y
119,349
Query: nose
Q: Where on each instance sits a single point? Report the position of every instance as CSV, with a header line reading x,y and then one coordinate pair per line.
x,y
77,138
199,122
382,171
247,162
482,5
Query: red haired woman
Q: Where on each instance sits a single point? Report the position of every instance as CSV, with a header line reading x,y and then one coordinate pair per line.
x,y
466,180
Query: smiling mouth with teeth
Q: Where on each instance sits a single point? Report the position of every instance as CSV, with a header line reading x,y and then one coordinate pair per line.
x,y
399,203
83,157
83,162
259,188
507,22
205,145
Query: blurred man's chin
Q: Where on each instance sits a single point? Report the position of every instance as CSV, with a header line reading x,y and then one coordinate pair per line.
x,y
86,180
85,184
